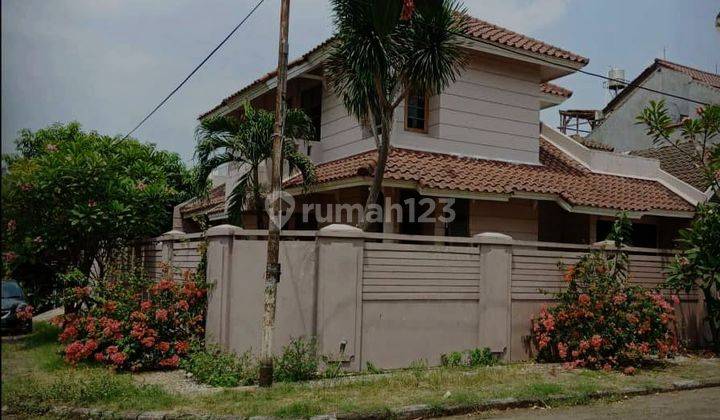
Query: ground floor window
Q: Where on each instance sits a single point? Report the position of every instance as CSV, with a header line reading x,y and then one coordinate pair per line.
x,y
644,235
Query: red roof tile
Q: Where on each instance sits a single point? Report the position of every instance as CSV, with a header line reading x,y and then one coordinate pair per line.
x,y
489,32
677,163
479,29
710,79
213,203
558,175
556,90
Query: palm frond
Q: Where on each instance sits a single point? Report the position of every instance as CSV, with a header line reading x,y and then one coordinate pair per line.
x,y
238,198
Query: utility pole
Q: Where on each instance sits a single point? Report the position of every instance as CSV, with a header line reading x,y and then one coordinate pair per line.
x,y
272,273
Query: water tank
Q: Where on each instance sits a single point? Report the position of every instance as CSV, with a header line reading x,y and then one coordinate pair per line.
x,y
617,77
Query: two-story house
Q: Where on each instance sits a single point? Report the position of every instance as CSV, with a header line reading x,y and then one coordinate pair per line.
x,y
480,143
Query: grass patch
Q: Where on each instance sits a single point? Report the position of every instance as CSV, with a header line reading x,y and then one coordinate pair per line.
x,y
35,377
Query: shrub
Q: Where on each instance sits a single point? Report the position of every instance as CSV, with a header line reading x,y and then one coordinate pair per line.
x,y
129,321
214,366
603,322
699,264
482,357
298,361
469,358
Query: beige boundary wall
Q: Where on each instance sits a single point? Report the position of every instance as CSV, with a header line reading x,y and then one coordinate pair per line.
x,y
391,299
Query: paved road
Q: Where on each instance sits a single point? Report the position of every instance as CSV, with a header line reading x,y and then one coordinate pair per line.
x,y
685,405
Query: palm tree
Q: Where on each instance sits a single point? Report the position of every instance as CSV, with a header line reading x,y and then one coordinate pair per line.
x,y
385,48
247,143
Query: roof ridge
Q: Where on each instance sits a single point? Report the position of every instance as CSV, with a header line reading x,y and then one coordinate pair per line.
x,y
476,29
664,62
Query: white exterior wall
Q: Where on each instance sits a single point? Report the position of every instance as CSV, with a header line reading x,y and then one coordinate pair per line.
x,y
490,112
620,129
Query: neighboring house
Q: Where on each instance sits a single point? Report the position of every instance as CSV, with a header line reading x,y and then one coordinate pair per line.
x,y
676,161
481,143
618,126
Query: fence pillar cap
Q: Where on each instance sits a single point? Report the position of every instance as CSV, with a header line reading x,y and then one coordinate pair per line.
x,y
607,244
339,230
493,238
223,230
172,234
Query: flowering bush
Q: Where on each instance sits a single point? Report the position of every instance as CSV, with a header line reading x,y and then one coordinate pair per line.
x,y
601,322
24,313
132,322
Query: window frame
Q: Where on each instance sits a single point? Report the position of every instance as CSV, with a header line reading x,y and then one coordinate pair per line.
x,y
426,115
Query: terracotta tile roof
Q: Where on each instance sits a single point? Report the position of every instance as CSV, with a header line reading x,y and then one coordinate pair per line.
x,y
213,203
676,163
478,28
267,76
502,36
710,79
592,144
558,175
556,90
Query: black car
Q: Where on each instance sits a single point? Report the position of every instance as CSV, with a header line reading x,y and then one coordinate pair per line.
x,y
13,299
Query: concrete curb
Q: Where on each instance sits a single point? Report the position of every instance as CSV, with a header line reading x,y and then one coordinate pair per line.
x,y
407,412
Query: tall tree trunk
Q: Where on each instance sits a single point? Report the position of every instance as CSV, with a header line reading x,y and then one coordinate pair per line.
x,y
272,274
383,152
257,200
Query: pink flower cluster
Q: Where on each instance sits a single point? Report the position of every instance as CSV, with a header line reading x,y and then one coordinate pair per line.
x,y
155,334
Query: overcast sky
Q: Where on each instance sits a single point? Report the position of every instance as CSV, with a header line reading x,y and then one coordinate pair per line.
x,y
106,63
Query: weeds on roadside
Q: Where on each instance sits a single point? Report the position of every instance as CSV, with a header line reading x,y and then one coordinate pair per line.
x,y
470,358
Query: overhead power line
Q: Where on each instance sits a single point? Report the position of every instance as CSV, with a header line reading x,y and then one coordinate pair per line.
x,y
195,69
589,73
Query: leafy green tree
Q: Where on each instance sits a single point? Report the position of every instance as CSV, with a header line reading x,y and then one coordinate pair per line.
x,y
247,143
703,133
71,198
385,49
699,263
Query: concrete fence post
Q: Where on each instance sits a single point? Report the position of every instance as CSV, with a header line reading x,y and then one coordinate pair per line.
x,y
339,293
495,299
167,240
219,274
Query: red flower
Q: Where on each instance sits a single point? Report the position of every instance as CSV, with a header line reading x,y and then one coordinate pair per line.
x,y
163,346
584,299
148,341
69,333
596,341
183,305
145,305
99,357
161,314
110,306
182,347
407,10
171,362
118,358
111,350
562,350
25,313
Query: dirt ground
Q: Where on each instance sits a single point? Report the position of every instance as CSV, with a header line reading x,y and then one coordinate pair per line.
x,y
686,405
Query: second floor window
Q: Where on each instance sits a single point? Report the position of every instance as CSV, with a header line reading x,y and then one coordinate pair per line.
x,y
311,103
416,112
